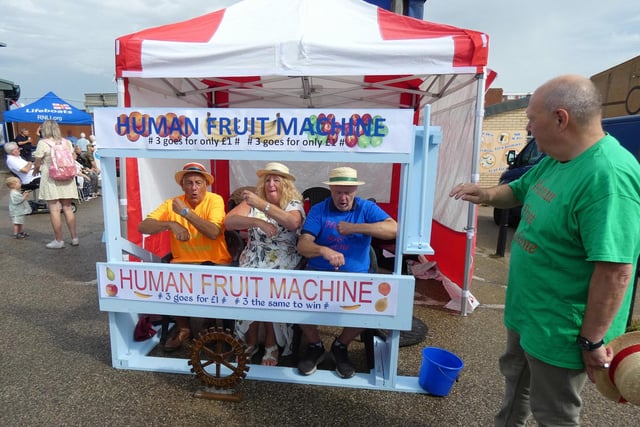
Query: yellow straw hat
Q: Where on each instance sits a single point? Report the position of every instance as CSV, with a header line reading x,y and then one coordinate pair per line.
x,y
275,168
194,167
343,176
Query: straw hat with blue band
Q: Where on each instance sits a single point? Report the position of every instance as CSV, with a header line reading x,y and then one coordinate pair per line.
x,y
343,176
194,167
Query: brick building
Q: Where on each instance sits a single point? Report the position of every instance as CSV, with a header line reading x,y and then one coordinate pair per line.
x,y
504,128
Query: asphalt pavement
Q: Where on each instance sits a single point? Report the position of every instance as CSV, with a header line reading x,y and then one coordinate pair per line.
x,y
55,359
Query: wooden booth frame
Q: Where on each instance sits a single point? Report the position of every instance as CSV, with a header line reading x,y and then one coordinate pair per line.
x,y
415,208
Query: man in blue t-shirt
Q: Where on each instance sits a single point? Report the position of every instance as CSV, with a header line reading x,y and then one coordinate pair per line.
x,y
336,236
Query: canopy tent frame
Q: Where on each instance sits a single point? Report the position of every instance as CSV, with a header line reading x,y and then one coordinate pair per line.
x,y
148,78
307,90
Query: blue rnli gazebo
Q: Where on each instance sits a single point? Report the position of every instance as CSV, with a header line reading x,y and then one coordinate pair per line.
x,y
49,107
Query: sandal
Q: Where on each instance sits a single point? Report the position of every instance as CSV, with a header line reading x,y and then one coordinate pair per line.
x,y
270,357
250,351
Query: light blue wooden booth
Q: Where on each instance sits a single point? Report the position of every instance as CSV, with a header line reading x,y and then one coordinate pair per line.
x,y
135,279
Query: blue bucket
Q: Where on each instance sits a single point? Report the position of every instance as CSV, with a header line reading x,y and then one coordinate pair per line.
x,y
439,370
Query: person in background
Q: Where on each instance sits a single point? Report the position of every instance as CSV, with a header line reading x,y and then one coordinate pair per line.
x,y
82,142
25,143
83,180
20,167
273,218
573,254
58,194
87,170
336,236
71,138
89,159
19,206
195,220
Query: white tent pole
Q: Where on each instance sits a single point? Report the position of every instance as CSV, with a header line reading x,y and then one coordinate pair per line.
x,y
475,178
123,171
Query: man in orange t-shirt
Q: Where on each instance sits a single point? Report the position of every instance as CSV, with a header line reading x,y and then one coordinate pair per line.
x,y
195,220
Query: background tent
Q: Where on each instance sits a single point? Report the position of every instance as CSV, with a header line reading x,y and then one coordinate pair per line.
x,y
318,54
49,107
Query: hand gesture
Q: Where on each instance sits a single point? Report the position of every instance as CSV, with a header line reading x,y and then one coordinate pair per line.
x,y
335,258
268,228
469,192
251,198
177,205
597,359
180,232
345,228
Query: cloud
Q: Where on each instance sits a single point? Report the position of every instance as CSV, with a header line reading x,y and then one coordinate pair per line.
x,y
67,46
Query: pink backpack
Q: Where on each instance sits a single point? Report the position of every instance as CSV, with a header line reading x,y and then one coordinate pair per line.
x,y
62,167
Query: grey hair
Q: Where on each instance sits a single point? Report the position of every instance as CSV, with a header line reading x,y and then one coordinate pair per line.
x,y
10,146
580,98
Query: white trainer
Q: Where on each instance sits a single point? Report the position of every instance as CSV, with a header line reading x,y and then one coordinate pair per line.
x,y
54,244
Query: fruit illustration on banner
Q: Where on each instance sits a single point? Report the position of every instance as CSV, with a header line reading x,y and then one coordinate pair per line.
x,y
268,131
111,290
351,140
136,125
384,288
326,127
142,295
382,304
364,141
110,274
211,130
376,141
355,131
332,139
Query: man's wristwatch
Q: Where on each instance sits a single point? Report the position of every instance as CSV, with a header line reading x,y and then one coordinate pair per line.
x,y
184,211
587,345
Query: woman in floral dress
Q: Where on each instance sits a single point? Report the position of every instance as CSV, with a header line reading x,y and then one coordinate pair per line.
x,y
273,217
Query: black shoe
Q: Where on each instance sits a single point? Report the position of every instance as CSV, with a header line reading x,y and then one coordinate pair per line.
x,y
311,359
340,355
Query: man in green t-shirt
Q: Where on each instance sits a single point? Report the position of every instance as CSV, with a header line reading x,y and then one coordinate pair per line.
x,y
573,254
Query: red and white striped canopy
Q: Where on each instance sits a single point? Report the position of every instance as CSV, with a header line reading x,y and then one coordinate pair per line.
x,y
300,38
322,54
305,53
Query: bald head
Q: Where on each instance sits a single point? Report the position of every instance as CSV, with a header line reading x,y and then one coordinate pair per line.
x,y
575,94
565,116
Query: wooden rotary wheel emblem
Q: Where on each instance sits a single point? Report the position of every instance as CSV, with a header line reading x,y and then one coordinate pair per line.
x,y
214,350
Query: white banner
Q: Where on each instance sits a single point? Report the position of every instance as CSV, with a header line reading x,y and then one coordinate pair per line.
x,y
298,290
339,130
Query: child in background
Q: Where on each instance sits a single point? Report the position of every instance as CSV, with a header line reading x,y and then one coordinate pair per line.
x,y
19,206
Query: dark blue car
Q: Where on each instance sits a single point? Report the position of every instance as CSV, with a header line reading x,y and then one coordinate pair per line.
x,y
527,158
625,129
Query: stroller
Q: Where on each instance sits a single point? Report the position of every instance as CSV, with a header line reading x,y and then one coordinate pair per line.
x,y
39,205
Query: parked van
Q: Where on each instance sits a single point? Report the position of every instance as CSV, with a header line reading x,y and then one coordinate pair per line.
x,y
625,129
527,158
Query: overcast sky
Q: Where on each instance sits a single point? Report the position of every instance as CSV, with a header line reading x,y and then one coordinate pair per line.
x,y
67,46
